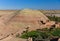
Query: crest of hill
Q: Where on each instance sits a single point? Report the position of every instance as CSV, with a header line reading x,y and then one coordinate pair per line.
x,y
30,11
33,13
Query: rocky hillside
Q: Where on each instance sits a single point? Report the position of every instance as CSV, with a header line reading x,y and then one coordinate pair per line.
x,y
13,22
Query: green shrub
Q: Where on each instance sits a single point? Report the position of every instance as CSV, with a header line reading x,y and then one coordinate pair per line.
x,y
35,34
42,34
30,34
56,32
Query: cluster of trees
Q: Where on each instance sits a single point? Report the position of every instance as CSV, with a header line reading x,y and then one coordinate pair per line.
x,y
42,34
54,18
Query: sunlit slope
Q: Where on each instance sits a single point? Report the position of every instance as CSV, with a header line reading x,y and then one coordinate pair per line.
x,y
27,18
18,21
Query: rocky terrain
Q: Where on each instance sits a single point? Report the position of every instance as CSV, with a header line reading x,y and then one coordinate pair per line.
x,y
13,22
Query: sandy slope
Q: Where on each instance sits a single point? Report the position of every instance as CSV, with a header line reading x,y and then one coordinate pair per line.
x,y
17,21
10,38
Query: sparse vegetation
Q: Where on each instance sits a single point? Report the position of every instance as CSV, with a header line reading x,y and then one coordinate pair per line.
x,y
56,32
25,20
54,18
46,34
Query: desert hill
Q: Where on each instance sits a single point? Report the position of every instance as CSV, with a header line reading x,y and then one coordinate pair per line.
x,y
13,22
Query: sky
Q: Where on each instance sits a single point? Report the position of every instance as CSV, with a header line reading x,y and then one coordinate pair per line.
x,y
31,4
